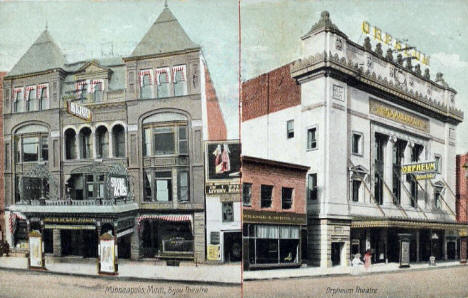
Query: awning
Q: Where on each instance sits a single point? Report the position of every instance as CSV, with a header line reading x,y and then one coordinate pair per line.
x,y
166,217
407,224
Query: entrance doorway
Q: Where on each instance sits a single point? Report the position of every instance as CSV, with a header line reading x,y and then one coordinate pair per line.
x,y
451,250
336,252
232,247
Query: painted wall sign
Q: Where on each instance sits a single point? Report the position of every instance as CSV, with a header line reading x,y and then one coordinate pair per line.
x,y
394,43
215,188
69,220
223,161
251,216
420,167
79,111
397,115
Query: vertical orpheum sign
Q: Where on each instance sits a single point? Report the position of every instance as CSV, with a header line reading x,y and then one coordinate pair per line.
x,y
36,251
107,257
394,43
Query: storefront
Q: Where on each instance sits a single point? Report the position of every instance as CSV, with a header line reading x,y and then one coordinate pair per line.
x,y
272,239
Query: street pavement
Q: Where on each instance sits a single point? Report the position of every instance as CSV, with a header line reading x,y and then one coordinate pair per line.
x,y
187,271
433,282
20,283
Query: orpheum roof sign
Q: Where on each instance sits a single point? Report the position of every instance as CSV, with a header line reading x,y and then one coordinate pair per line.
x,y
396,44
79,111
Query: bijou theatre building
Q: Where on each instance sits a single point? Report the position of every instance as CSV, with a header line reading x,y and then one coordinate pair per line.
x,y
378,134
110,145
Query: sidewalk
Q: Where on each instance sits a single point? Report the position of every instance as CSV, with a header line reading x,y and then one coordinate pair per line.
x,y
146,269
338,270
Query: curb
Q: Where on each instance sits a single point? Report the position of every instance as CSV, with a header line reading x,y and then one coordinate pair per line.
x,y
349,274
123,278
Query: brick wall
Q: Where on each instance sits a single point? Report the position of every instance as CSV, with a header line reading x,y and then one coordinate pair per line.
x,y
269,93
2,146
216,125
461,188
278,177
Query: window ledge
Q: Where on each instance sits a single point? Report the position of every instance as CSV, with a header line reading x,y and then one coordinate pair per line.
x,y
311,149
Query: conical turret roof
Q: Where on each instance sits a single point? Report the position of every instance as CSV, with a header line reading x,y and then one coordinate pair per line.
x,y
44,54
165,35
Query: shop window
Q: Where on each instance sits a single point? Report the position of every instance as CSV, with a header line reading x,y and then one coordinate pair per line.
x,y
163,181
43,99
355,190
290,129
265,199
70,144
286,197
227,210
312,191
118,138
163,82
97,92
357,143
246,194
102,139
312,138
183,186
180,82
85,143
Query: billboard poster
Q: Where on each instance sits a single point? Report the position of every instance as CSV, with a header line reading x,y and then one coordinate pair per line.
x,y
223,161
35,250
107,255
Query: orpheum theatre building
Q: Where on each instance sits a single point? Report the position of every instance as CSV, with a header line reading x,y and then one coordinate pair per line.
x,y
112,145
378,135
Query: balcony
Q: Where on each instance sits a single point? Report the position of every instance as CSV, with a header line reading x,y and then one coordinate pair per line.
x,y
97,202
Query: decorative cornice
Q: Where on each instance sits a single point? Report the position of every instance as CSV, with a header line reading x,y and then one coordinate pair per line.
x,y
301,67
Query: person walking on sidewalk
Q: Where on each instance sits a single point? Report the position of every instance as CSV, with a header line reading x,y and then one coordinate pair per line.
x,y
367,259
356,264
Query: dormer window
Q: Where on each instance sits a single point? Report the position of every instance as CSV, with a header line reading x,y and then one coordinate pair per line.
x,y
145,78
163,80
97,86
180,81
82,90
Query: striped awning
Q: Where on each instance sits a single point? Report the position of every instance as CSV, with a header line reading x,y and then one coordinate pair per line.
x,y
166,217
407,224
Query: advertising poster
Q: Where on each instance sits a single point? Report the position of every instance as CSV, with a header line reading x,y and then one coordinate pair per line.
x,y
107,256
35,251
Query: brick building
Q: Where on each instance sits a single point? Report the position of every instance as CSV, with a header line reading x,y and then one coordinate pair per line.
x,y
111,145
2,192
273,214
462,201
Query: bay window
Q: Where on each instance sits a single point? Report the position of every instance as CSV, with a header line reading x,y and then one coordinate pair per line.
x,y
31,147
165,140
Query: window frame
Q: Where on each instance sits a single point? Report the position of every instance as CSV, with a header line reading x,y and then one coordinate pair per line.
x,y
438,160
355,190
309,146
312,192
244,196
263,189
360,148
175,127
41,144
284,200
224,206
290,130
183,70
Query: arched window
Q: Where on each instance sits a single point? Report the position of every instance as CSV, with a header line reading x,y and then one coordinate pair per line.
x,y
146,87
31,143
85,143
163,83
118,138
70,144
102,142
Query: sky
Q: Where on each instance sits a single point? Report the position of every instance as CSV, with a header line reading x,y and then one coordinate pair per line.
x,y
95,29
270,32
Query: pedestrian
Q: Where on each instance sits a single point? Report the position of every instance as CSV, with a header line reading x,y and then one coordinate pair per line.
x,y
367,259
356,264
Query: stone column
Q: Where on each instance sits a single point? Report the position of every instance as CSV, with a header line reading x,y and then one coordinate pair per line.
x,y
406,195
111,147
388,171
444,246
199,236
57,243
135,244
77,145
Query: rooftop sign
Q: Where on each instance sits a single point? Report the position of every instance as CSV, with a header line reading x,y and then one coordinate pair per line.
x,y
395,44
